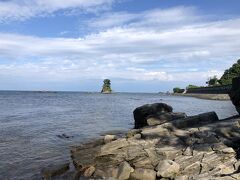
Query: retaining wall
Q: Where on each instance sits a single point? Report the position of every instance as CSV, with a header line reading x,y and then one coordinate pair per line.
x,y
211,90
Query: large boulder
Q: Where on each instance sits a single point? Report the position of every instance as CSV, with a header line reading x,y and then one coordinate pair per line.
x,y
235,93
142,113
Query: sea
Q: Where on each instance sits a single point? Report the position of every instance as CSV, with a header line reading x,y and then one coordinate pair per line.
x,y
34,125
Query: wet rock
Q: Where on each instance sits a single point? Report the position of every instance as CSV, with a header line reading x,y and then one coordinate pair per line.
x,y
55,170
141,174
69,175
64,136
109,138
142,113
124,171
168,169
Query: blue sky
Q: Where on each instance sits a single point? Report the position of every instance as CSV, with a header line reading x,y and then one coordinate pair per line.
x,y
141,45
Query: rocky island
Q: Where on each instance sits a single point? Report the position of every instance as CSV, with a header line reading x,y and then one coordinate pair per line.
x,y
163,145
106,89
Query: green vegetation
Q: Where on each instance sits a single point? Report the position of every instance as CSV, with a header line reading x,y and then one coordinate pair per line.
x,y
106,86
178,90
212,81
230,73
190,86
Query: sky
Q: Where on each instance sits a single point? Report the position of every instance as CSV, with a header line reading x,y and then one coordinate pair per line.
x,y
141,45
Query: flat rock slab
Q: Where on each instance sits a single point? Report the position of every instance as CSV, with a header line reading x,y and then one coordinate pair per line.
x,y
198,147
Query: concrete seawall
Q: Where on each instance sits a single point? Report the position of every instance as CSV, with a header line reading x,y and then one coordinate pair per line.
x,y
210,90
222,97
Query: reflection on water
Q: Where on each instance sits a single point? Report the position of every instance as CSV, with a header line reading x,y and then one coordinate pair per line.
x,y
32,122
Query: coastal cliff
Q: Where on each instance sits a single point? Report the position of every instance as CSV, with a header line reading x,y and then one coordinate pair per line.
x,y
167,145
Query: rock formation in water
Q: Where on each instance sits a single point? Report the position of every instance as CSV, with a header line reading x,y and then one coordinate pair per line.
x,y
106,89
235,93
195,147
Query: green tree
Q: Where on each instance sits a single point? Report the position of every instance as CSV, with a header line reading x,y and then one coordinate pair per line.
x,y
106,86
178,90
212,81
230,73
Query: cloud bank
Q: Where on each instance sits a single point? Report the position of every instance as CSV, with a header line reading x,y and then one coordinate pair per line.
x,y
24,9
176,44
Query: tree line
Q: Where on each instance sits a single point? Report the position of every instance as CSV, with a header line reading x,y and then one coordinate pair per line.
x,y
226,78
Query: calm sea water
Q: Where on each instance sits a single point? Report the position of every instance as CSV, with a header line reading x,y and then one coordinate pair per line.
x,y
30,123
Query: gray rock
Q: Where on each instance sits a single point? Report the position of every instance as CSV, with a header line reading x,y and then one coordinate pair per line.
x,y
110,172
142,162
142,113
195,121
237,165
133,132
57,170
155,132
109,138
152,121
124,171
168,169
168,152
228,150
236,176
193,169
143,174
112,146
183,177
162,118
137,136
89,171
188,151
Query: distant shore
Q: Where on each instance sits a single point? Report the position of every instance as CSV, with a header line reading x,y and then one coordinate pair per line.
x,y
222,97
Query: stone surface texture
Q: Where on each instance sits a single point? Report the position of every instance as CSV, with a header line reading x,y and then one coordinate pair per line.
x,y
178,149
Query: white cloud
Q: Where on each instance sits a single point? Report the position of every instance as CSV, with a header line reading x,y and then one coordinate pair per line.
x,y
151,19
24,9
132,48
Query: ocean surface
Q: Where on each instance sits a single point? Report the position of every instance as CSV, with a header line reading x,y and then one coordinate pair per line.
x,y
31,122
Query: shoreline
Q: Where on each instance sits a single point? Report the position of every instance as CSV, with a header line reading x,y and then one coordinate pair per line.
x,y
188,148
220,97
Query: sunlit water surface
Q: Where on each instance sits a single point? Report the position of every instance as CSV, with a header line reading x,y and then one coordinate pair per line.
x,y
30,123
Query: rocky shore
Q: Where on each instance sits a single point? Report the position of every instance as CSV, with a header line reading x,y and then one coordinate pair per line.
x,y
163,145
